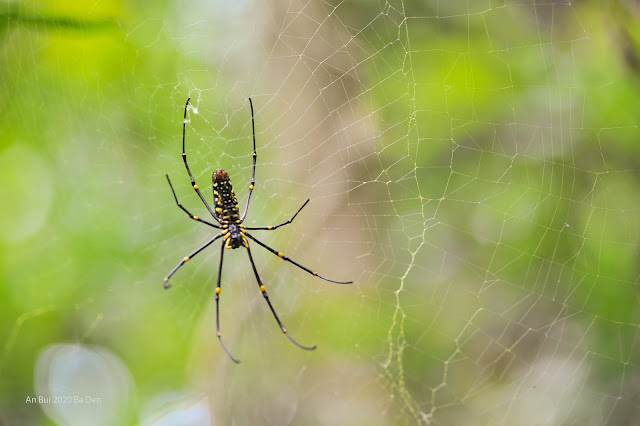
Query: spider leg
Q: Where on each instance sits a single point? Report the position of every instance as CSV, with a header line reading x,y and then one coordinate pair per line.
x,y
283,257
255,156
186,259
266,297
196,218
184,158
271,228
218,290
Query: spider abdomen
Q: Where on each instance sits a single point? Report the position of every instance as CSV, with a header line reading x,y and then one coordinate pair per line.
x,y
224,198
227,210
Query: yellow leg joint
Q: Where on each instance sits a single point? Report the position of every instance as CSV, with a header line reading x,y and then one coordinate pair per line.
x,y
195,218
284,330
219,334
195,186
218,290
280,255
262,288
186,259
250,186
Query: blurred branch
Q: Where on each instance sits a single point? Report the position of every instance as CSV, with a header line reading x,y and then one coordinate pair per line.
x,y
626,14
14,14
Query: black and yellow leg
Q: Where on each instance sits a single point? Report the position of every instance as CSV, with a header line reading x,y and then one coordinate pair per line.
x,y
188,258
196,218
266,297
271,228
218,291
184,158
255,157
283,257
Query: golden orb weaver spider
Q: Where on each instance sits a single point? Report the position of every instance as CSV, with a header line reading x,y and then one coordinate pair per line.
x,y
232,232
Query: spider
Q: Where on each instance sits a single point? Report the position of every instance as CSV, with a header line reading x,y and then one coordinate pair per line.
x,y
233,234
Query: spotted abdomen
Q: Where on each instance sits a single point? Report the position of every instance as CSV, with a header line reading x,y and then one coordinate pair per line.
x,y
224,198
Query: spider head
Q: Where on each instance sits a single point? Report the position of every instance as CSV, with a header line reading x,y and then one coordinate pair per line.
x,y
235,236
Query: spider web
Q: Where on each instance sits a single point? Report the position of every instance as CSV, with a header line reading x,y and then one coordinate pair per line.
x,y
470,166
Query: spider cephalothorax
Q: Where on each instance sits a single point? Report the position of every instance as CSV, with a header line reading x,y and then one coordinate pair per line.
x,y
232,232
234,235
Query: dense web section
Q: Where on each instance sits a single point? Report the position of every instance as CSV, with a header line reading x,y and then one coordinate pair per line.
x,y
470,166
456,142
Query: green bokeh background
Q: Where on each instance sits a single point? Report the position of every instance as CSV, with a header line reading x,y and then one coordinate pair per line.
x,y
473,166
